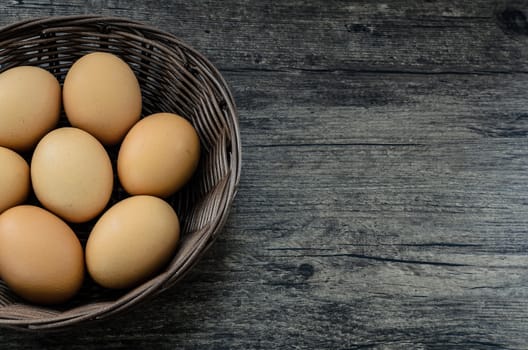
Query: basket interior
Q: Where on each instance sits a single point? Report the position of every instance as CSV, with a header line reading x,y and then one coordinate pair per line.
x,y
173,78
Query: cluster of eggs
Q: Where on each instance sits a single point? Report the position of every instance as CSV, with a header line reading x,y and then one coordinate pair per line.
x,y
71,175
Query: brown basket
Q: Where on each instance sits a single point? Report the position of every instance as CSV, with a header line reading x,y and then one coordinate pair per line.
x,y
173,78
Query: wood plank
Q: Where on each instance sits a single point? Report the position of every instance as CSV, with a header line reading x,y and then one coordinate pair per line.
x,y
349,108
396,36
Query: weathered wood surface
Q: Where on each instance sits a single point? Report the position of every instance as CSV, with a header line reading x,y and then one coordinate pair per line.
x,y
383,202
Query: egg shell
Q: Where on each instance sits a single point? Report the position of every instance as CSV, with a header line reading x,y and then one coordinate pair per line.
x,y
131,241
41,259
14,179
102,96
158,155
30,101
72,174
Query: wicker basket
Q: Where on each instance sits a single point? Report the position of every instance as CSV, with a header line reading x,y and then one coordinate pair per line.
x,y
173,78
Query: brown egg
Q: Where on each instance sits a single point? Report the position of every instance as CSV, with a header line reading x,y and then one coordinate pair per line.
x,y
29,106
131,241
41,259
71,174
158,155
102,96
14,179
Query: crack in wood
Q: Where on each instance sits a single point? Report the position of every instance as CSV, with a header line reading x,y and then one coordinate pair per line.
x,y
377,258
345,144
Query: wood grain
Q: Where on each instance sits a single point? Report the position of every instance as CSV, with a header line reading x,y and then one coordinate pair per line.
x,y
383,197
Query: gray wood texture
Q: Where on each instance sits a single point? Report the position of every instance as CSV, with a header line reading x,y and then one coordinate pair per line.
x,y
383,201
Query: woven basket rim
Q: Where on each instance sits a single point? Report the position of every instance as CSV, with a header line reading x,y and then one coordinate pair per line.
x,y
163,281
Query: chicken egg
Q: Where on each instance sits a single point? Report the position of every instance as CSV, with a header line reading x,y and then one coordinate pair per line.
x,y
14,179
102,96
131,241
71,174
29,106
41,259
158,155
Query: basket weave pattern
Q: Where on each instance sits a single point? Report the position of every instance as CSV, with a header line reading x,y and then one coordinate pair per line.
x,y
173,78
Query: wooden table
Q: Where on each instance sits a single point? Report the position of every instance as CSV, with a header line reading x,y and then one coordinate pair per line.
x,y
383,201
